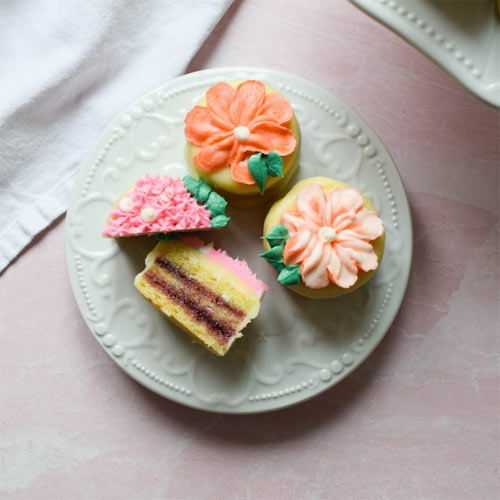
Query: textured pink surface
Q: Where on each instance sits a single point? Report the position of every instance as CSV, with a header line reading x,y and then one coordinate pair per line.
x,y
239,268
419,419
173,207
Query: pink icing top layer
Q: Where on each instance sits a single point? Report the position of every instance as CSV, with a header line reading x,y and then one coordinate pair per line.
x,y
156,204
236,266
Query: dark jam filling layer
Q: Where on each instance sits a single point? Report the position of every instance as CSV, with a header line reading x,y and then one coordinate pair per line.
x,y
222,329
196,285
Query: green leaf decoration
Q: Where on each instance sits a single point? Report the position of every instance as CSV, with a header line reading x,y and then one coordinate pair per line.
x,y
213,201
277,235
219,221
261,166
290,275
275,257
204,192
192,185
216,204
274,164
258,169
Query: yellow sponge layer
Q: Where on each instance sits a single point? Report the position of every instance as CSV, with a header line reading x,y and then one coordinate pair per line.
x,y
199,295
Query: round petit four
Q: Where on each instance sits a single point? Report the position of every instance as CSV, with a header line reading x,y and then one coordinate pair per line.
x,y
243,139
324,238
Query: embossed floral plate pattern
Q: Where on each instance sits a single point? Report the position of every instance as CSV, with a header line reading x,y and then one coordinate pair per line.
x,y
297,347
462,36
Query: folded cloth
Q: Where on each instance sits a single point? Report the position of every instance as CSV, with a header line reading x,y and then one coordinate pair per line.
x,y
66,68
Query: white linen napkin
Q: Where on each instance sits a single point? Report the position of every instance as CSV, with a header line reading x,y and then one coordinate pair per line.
x,y
66,68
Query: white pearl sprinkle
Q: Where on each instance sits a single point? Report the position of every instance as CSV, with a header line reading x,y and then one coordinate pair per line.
x,y
126,204
148,214
242,133
327,234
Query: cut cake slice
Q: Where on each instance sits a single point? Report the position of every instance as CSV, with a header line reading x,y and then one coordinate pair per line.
x,y
162,205
202,290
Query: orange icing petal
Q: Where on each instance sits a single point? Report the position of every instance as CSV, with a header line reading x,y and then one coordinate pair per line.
x,y
311,204
276,109
293,221
295,247
199,126
239,167
247,102
219,99
268,136
215,156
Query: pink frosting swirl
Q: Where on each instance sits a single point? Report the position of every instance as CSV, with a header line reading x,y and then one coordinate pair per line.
x,y
156,204
330,236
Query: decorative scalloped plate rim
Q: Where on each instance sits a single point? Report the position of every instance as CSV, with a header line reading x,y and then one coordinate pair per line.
x,y
447,48
371,149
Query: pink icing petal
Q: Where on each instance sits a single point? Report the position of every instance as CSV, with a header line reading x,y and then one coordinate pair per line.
x,y
311,204
343,221
293,221
314,266
295,246
340,201
369,223
347,275
367,260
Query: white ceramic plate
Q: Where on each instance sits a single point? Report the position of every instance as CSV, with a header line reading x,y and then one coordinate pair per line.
x,y
462,36
297,347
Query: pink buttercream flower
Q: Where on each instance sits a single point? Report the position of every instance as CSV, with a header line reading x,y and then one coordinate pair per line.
x,y
156,204
330,235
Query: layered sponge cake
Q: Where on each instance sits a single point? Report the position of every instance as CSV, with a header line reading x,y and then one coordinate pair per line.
x,y
208,294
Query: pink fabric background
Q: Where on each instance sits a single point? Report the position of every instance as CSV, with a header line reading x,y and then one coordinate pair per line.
x,y
419,419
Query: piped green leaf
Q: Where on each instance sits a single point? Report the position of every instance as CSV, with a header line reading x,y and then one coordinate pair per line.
x,y
290,275
192,185
216,204
275,257
213,201
274,164
277,235
219,221
258,170
204,192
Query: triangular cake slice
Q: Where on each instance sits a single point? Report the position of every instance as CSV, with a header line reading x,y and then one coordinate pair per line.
x,y
203,290
163,204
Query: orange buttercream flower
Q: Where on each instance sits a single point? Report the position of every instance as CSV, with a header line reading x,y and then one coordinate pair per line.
x,y
330,236
237,123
